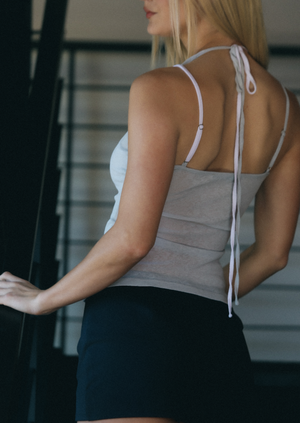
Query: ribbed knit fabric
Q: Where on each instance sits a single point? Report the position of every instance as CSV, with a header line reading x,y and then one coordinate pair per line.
x,y
202,210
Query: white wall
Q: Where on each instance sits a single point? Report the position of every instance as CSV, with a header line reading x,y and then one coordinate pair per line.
x,y
125,20
282,21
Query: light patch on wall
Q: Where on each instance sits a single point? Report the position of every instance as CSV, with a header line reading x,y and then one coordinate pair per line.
x,y
124,20
282,21
102,20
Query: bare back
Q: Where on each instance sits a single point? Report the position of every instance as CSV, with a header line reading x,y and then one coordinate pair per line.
x,y
264,115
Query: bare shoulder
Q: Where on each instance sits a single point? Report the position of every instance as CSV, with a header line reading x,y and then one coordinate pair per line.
x,y
158,77
160,84
153,109
155,97
270,103
267,84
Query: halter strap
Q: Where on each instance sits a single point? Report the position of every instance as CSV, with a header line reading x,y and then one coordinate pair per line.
x,y
207,50
242,69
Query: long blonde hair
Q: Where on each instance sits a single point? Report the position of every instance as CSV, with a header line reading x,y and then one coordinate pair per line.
x,y
241,20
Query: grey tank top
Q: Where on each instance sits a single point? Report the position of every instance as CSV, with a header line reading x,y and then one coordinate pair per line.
x,y
202,209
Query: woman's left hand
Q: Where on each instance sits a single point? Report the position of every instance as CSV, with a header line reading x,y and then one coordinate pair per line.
x,y
19,294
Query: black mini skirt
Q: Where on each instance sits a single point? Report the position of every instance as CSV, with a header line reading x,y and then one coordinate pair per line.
x,y
152,352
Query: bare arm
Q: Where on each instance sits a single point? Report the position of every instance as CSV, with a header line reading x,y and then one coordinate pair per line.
x,y
152,147
276,215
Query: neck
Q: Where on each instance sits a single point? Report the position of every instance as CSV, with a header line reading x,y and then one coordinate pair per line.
x,y
207,36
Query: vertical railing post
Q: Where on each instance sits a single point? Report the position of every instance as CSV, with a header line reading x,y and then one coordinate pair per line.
x,y
68,182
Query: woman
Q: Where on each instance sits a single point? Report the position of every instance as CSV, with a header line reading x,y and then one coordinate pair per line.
x,y
163,345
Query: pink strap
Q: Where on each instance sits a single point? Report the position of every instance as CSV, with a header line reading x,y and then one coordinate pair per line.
x,y
200,126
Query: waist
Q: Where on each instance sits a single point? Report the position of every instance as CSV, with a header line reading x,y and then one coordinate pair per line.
x,y
195,234
179,267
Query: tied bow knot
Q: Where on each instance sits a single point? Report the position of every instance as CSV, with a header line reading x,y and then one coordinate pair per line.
x,y
242,67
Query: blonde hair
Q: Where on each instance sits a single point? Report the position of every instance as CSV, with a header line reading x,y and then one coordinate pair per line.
x,y
241,20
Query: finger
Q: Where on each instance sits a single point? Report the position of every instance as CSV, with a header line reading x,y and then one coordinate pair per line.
x,y
7,276
5,291
5,286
